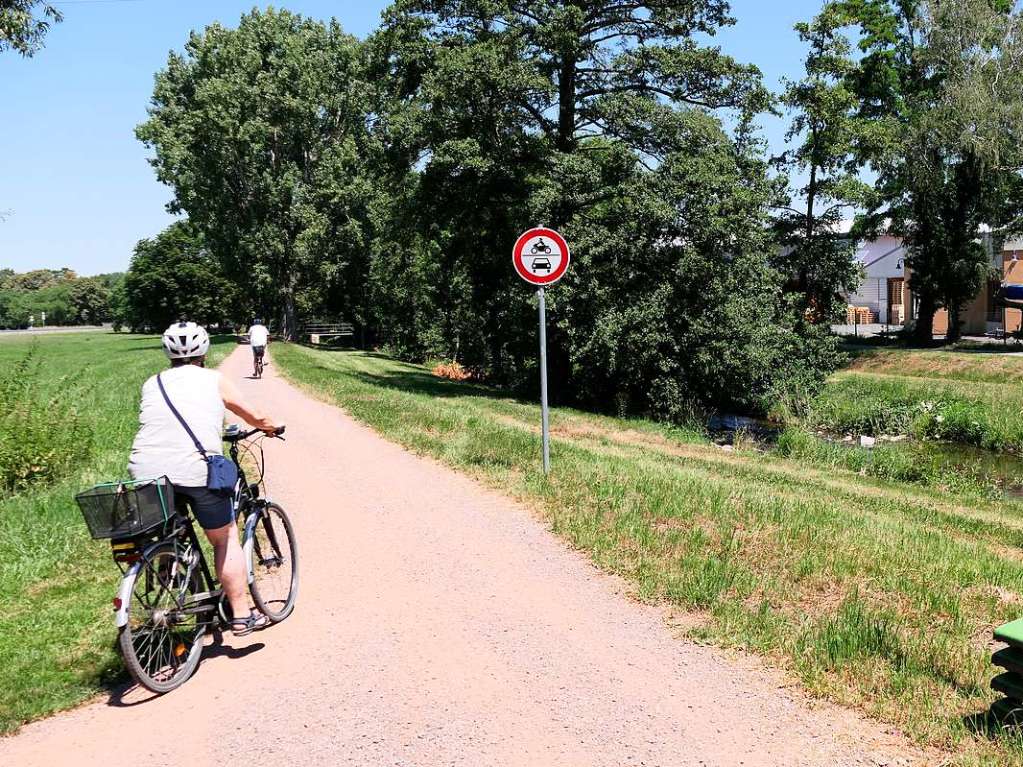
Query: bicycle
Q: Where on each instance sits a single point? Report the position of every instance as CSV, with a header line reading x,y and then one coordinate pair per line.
x,y
169,599
257,365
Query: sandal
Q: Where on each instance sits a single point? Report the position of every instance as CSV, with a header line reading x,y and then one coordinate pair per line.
x,y
254,622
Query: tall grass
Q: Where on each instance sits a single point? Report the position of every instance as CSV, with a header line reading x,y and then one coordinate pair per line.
x,y
985,415
987,365
911,462
42,436
873,593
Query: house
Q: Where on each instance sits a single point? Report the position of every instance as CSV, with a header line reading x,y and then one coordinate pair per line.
x,y
884,289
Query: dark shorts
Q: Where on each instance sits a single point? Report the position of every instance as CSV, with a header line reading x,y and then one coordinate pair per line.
x,y
212,510
257,351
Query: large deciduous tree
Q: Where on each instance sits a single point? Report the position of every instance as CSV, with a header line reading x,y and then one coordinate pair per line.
x,y
173,277
24,24
89,298
598,118
943,86
818,256
261,133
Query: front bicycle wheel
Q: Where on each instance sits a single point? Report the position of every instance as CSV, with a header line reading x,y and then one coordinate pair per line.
x,y
162,641
274,564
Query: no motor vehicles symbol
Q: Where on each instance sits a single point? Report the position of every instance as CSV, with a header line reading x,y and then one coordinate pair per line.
x,y
541,256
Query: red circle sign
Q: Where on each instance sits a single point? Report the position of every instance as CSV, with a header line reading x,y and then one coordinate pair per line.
x,y
541,256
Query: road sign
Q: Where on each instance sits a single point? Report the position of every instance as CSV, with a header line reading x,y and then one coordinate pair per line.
x,y
541,256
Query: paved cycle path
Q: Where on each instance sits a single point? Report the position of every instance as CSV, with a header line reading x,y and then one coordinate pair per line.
x,y
440,623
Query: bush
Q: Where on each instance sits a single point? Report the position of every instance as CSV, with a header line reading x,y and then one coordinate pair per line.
x,y
911,462
852,405
451,371
41,437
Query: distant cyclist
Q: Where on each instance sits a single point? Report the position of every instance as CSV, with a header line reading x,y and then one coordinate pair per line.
x,y
164,447
259,337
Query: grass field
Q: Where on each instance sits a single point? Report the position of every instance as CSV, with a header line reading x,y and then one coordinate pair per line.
x,y
973,398
56,627
983,366
876,594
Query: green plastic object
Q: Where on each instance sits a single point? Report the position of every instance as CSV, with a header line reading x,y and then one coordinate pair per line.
x,y
1010,659
1011,633
1009,684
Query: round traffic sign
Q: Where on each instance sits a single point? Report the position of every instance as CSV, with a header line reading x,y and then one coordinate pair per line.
x,y
541,256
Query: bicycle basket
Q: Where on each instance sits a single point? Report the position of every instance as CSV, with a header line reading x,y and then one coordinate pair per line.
x,y
124,509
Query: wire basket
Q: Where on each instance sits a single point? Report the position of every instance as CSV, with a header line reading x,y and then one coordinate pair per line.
x,y
124,509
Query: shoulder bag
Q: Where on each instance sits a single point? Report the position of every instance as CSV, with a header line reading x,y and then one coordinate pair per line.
x,y
221,472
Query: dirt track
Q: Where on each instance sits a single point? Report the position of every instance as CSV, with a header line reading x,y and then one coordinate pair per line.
x,y
440,624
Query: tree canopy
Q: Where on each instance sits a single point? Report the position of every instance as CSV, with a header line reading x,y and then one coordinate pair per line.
x,y
24,24
824,135
941,85
601,119
59,294
260,131
386,181
173,276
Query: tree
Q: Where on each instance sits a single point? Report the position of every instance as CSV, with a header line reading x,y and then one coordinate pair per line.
x,y
818,255
942,84
64,297
21,29
34,293
90,301
597,118
174,277
261,133
39,278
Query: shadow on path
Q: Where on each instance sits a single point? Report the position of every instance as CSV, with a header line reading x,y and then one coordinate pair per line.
x,y
130,694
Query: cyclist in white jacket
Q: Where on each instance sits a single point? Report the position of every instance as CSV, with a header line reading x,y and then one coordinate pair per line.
x,y
259,337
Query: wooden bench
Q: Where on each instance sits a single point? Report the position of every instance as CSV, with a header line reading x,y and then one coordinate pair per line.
x,y
324,332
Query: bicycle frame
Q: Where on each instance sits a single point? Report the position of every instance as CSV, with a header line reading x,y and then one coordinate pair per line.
x,y
245,502
183,528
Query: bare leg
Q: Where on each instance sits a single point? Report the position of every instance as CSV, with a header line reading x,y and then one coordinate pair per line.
x,y
229,562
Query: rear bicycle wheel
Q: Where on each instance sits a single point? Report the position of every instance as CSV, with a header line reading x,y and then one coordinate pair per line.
x,y
274,564
161,643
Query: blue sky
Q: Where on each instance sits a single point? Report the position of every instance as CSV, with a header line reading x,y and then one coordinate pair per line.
x,y
74,182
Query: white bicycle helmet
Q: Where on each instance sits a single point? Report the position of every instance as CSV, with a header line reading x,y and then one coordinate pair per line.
x,y
185,339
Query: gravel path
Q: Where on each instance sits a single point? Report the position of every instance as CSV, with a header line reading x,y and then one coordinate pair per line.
x,y
441,624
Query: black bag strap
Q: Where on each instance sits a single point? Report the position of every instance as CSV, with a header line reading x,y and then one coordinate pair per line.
x,y
198,444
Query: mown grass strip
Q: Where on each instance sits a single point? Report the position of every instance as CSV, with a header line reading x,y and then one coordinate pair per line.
x,y
993,364
875,594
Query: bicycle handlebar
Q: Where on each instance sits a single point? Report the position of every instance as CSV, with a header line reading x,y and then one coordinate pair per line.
x,y
240,435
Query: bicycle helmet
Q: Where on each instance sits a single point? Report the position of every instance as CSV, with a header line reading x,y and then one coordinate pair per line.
x,y
183,340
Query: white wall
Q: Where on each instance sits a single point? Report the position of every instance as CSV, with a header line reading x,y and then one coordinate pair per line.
x,y
881,258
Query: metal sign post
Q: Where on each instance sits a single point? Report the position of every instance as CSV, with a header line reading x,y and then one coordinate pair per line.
x,y
544,415
541,258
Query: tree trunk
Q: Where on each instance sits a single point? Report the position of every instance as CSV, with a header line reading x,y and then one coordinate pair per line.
x,y
955,326
289,322
566,105
923,333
